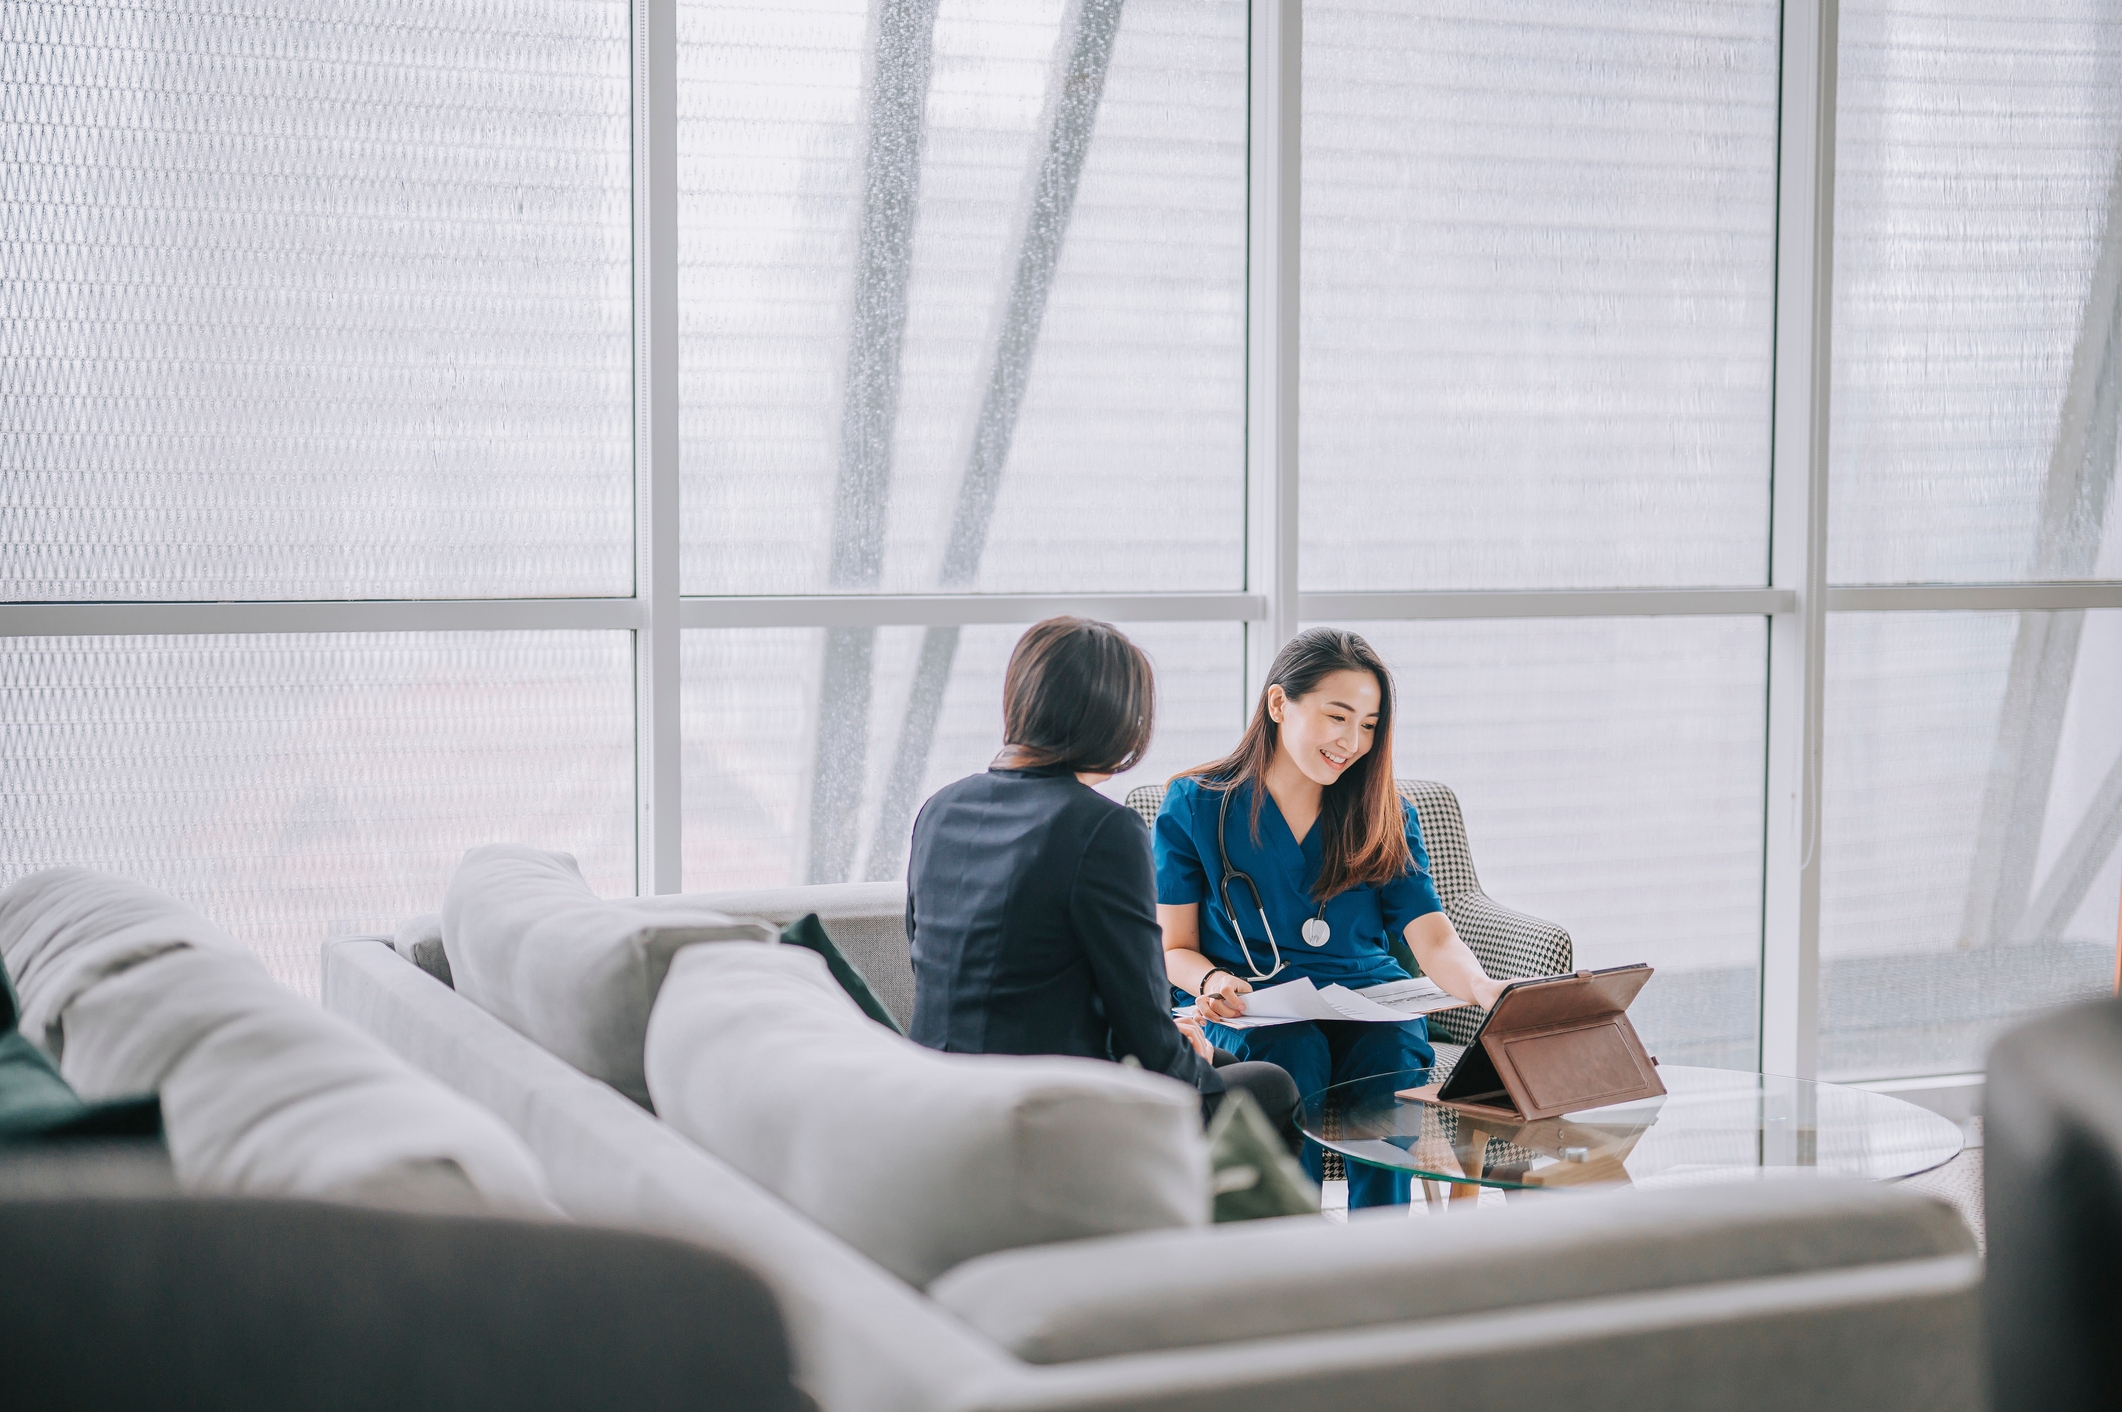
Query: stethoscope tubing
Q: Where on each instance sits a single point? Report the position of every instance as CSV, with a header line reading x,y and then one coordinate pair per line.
x,y
1259,904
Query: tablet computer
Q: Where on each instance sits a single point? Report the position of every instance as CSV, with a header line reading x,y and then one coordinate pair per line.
x,y
1554,1044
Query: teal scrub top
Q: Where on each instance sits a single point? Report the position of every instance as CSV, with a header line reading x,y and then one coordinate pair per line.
x,y
1189,869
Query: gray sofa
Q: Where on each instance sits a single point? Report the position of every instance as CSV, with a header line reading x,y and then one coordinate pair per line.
x,y
125,1293
1772,1295
2053,1205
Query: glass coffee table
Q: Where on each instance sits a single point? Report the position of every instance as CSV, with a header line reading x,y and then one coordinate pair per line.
x,y
1711,1125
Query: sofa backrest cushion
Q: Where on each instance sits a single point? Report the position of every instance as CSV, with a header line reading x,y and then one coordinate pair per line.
x,y
530,943
262,1092
265,1093
64,930
918,1159
1063,1303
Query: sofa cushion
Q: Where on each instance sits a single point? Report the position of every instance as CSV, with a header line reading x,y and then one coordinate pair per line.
x,y
64,930
264,1093
529,942
920,1160
261,1091
1064,1303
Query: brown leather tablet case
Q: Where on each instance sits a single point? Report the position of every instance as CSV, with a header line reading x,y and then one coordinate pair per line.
x,y
1555,1045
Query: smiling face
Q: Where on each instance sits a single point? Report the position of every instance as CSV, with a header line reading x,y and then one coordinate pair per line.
x,y
1329,729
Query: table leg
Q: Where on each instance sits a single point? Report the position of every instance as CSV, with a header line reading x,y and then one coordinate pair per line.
x,y
1472,1152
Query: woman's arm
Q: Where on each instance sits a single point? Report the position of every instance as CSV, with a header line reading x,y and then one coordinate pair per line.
x,y
1109,907
1224,998
1446,960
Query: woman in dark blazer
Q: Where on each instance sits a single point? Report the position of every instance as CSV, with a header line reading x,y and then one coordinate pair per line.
x,y
1031,899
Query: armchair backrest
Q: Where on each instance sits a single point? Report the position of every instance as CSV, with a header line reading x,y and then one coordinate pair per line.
x,y
1451,862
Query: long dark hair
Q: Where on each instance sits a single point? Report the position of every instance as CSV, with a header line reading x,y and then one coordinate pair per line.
x,y
1365,838
1078,695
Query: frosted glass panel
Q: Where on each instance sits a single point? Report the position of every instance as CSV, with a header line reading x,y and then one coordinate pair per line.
x,y
293,788
1610,771
1969,873
1539,245
1978,267
315,300
942,330
754,815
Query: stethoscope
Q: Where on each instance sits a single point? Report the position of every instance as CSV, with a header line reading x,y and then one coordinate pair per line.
x,y
1315,930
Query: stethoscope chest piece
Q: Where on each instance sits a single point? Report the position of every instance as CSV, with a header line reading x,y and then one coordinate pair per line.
x,y
1316,932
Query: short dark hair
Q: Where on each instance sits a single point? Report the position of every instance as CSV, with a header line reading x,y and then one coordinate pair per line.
x,y
1078,695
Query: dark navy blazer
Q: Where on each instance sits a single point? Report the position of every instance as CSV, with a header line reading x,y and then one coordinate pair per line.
x,y
1031,906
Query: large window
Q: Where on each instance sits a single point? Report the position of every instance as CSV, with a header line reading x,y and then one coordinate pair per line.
x,y
642,427
1973,788
1539,279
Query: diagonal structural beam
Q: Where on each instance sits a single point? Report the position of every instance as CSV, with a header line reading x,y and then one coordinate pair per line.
x,y
2081,474
917,734
2084,851
1082,57
902,57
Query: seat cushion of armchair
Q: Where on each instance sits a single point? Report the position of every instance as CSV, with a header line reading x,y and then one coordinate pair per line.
x,y
1227,1284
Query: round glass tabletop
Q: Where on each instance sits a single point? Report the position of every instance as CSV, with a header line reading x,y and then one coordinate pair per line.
x,y
1710,1125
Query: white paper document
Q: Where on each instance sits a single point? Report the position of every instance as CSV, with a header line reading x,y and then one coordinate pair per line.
x,y
1301,1000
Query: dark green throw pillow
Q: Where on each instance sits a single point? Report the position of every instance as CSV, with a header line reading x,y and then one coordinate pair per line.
x,y
1252,1173
36,1105
809,933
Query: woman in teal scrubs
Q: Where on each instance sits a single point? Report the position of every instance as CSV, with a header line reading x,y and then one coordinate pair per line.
x,y
1293,856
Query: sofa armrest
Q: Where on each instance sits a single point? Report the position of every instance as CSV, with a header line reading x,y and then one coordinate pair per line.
x,y
1902,1337
1061,1303
246,1303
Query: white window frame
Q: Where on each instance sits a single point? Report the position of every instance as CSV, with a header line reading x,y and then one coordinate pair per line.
x,y
1796,601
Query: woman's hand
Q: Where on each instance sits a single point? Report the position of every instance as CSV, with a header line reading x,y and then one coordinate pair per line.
x,y
1192,1030
1446,960
1223,996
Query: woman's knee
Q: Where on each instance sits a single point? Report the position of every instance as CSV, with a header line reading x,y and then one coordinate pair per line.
x,y
1271,1087
1381,1049
1300,1050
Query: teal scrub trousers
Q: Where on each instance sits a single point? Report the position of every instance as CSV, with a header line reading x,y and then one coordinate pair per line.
x,y
1317,1053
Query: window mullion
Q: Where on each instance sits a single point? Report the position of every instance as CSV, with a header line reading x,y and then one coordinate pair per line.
x,y
657,744
1790,949
1274,196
